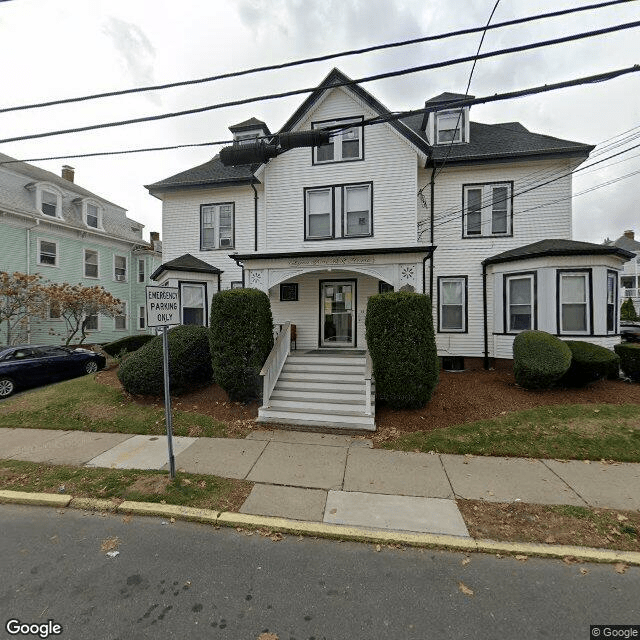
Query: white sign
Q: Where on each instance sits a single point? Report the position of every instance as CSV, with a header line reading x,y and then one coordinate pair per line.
x,y
163,306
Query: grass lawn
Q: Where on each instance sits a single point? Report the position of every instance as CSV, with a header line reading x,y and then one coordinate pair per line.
x,y
85,404
591,432
193,490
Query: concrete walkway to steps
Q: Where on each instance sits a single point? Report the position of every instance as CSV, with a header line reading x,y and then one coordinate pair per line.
x,y
341,479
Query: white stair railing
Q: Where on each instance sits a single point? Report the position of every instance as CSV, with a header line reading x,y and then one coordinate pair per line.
x,y
275,361
368,369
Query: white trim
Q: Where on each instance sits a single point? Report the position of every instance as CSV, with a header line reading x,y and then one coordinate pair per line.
x,y
39,252
486,209
84,263
85,203
120,277
587,302
98,323
142,316
508,280
124,315
463,305
40,188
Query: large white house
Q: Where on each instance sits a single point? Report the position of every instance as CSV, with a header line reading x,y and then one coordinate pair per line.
x,y
476,215
630,274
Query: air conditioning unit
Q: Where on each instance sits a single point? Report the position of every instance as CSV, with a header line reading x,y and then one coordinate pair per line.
x,y
120,278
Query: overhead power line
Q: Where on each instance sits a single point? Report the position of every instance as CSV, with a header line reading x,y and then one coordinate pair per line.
x,y
372,78
602,77
322,58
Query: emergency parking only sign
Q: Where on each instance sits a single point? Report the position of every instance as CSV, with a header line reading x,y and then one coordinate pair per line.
x,y
163,306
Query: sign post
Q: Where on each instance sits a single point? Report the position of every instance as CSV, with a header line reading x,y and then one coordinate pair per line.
x,y
163,310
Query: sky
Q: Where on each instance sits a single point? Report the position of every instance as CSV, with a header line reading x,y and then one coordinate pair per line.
x,y
54,49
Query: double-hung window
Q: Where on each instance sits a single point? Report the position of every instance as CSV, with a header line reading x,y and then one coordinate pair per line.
x,y
319,208
49,204
141,276
357,210
121,318
90,263
193,300
487,210
450,126
91,322
217,226
612,301
346,141
575,302
141,317
120,268
93,216
47,253
520,292
452,304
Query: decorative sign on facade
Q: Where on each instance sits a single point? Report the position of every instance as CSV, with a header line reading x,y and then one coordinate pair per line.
x,y
331,261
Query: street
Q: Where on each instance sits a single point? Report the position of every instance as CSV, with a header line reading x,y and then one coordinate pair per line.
x,y
186,580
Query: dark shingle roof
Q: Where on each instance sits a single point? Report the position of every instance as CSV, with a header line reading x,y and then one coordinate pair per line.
x,y
211,173
448,97
556,247
186,262
625,243
251,123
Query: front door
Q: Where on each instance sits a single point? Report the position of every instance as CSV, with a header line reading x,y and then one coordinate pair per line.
x,y
337,313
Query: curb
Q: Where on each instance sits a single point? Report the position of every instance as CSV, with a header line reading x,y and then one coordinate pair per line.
x,y
322,530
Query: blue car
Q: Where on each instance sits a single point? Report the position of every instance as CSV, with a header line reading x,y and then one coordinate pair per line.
x,y
31,365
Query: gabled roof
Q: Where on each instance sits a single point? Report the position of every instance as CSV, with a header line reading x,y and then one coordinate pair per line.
x,y
557,247
448,97
623,242
186,262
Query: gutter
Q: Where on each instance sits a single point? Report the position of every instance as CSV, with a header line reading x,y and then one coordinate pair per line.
x,y
255,216
432,199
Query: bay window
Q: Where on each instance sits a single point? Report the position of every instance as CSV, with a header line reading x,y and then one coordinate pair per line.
x,y
574,302
520,294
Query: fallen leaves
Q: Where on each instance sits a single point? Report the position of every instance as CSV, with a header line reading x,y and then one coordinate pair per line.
x,y
464,589
522,558
110,544
466,561
268,636
621,567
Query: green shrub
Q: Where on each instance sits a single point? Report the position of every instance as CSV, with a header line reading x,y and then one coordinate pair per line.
x,y
127,344
400,338
589,362
539,359
240,338
629,359
628,311
189,363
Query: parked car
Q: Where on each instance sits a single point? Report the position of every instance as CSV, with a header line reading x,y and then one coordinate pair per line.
x,y
30,365
630,331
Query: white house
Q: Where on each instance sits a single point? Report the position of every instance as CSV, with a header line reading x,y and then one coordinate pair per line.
x,y
476,215
630,274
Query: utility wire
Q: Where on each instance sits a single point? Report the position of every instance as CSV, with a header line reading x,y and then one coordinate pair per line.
x,y
303,61
602,77
346,83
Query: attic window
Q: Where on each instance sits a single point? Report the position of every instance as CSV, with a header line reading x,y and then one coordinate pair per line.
x,y
346,143
49,204
450,127
247,137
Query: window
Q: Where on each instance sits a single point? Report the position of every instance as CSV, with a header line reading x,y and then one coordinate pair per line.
x,y
193,297
520,296
289,292
346,144
574,295
49,204
357,210
121,318
628,284
452,308
236,284
384,287
55,311
141,318
141,275
91,322
90,263
47,252
93,219
120,268
450,126
217,226
612,301
319,204
487,210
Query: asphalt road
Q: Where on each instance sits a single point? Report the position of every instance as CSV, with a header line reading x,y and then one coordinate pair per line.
x,y
185,580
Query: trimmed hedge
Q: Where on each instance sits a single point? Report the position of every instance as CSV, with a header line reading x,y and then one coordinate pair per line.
x,y
240,338
628,311
401,341
589,362
539,359
629,359
127,344
189,363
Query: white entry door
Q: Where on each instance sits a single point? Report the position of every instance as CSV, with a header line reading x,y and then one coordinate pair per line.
x,y
337,313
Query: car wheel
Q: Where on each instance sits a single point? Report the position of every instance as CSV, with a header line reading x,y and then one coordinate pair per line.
x,y
7,387
91,366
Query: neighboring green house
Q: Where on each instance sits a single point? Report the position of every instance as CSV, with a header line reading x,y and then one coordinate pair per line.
x,y
51,226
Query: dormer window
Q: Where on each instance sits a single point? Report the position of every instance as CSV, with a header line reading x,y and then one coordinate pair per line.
x,y
346,142
450,127
48,199
49,205
247,138
92,216
91,212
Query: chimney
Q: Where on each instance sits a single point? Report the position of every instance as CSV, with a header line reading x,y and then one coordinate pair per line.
x,y
154,236
629,234
68,173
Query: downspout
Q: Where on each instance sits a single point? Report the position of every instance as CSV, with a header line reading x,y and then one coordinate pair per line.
x,y
432,200
255,216
485,316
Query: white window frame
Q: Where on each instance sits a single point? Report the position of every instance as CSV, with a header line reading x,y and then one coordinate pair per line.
x,y
142,270
56,255
345,211
612,276
142,317
119,277
215,208
533,324
50,307
463,304
487,209
85,264
99,214
338,137
46,188
454,116
97,317
308,214
203,288
588,303
121,316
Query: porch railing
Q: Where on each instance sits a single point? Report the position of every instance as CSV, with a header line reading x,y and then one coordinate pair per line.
x,y
629,293
275,361
368,370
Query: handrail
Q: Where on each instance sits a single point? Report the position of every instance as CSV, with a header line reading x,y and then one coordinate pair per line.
x,y
368,370
275,361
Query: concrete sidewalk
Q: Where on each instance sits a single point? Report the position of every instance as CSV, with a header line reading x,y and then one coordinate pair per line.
x,y
342,480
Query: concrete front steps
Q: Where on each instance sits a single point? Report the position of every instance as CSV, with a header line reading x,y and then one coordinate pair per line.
x,y
321,390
